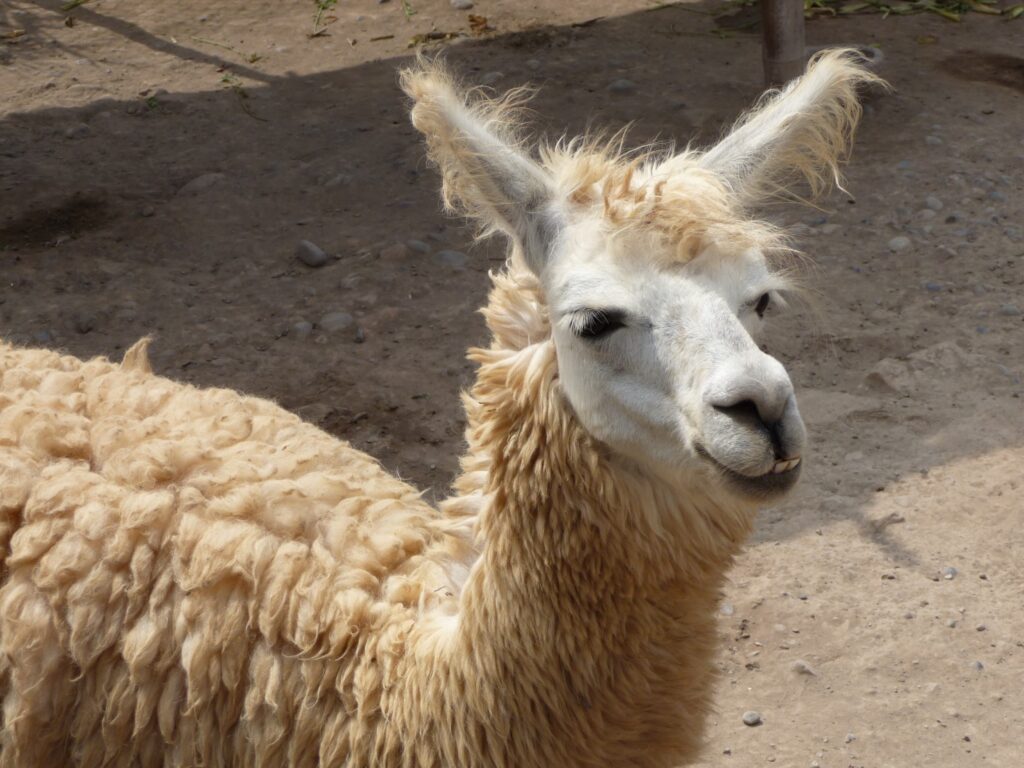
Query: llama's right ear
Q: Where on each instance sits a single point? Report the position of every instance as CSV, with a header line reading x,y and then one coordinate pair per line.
x,y
485,173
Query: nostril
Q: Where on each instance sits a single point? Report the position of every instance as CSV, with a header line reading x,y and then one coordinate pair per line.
x,y
744,410
747,413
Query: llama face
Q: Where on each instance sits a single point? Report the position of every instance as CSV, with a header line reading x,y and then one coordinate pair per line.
x,y
653,270
660,361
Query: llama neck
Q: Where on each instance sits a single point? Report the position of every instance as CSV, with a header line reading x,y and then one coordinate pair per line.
x,y
593,593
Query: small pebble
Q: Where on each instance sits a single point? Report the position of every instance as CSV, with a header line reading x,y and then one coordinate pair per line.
x,y
1009,310
981,627
533,64
462,5
147,211
932,141
727,609
310,254
201,183
899,243
78,131
302,329
801,667
360,336
622,86
933,287
83,322
951,623
491,78
933,203
417,246
752,718
42,337
949,573
850,737
454,259
977,665
336,321
926,214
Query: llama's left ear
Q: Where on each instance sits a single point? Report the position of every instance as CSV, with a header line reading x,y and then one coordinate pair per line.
x,y
486,175
803,131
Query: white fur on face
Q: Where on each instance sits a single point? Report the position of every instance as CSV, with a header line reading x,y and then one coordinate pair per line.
x,y
682,386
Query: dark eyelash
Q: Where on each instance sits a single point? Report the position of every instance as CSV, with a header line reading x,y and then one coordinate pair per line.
x,y
762,304
593,324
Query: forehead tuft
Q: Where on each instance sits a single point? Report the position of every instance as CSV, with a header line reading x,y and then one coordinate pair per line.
x,y
687,211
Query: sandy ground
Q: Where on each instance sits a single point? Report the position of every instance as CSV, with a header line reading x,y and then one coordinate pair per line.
x,y
159,162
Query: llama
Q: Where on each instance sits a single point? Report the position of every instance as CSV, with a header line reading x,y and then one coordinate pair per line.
x,y
195,577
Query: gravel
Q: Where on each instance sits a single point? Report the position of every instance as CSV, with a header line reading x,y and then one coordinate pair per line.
x,y
311,254
752,718
417,246
302,329
462,5
933,203
949,573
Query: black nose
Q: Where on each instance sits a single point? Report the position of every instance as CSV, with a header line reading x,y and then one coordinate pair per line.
x,y
746,413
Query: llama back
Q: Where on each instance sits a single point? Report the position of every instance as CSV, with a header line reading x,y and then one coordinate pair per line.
x,y
184,570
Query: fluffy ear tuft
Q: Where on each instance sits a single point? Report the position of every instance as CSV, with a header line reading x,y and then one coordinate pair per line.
x,y
474,142
802,132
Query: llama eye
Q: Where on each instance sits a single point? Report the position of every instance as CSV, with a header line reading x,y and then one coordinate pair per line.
x,y
596,324
762,304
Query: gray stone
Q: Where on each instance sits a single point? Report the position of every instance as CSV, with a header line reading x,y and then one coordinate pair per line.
x,y
899,243
147,211
417,246
977,666
933,203
1009,310
949,573
302,330
752,718
533,64
622,86
453,259
829,229
490,78
933,287
932,141
727,609
981,627
338,180
926,214
201,183
77,131
801,667
462,5
337,321
42,337
310,254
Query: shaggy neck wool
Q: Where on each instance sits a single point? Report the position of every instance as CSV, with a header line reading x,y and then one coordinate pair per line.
x,y
593,589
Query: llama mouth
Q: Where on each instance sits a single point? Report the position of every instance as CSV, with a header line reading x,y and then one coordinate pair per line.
x,y
781,477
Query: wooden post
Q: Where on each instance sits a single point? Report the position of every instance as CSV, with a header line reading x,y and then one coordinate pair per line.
x,y
782,24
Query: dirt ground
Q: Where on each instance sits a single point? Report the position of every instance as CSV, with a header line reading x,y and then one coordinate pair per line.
x,y
159,163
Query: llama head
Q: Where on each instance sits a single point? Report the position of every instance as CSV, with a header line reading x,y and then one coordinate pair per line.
x,y
655,277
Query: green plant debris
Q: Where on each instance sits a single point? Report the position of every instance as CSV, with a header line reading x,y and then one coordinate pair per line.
x,y
322,6
407,9
954,10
